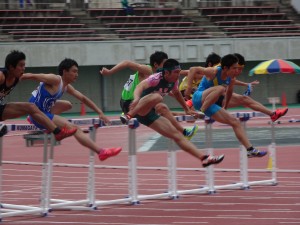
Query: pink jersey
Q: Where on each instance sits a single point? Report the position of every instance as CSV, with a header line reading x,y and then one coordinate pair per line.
x,y
158,84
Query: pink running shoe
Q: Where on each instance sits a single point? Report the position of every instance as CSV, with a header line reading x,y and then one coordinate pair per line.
x,y
65,132
109,152
278,113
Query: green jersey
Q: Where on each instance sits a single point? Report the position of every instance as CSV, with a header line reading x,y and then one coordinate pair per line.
x,y
130,85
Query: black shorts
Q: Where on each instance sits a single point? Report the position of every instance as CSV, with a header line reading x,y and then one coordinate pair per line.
x,y
125,105
219,102
2,107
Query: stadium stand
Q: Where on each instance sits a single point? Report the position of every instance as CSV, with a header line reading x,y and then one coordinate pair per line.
x,y
251,21
148,22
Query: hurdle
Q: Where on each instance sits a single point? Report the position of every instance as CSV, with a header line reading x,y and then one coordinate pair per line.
x,y
244,182
90,203
209,187
8,210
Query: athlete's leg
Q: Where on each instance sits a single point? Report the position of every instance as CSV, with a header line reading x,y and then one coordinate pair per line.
x,y
80,136
164,127
84,140
61,106
145,104
16,109
164,111
211,95
223,116
248,102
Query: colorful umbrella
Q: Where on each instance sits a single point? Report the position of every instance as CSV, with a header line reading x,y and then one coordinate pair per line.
x,y
275,66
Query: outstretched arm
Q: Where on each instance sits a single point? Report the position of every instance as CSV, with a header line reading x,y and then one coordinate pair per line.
x,y
49,79
241,83
88,102
144,69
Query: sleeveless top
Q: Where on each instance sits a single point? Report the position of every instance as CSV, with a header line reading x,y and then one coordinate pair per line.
x,y
205,84
4,89
158,84
130,85
184,83
43,99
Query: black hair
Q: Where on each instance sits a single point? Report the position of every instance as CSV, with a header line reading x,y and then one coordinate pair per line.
x,y
66,64
169,64
240,58
13,58
158,57
228,60
213,59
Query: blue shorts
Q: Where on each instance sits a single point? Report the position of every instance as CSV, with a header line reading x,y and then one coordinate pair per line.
x,y
48,114
197,102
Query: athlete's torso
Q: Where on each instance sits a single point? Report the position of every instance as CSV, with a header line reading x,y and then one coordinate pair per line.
x,y
43,99
130,85
4,89
159,85
205,83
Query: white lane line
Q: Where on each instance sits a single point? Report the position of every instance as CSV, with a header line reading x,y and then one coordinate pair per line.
x,y
148,144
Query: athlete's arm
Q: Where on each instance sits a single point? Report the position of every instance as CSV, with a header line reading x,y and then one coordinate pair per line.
x,y
209,72
144,69
87,101
49,79
184,72
241,83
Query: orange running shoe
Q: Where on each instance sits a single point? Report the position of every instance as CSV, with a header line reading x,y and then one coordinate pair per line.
x,y
108,152
65,132
278,113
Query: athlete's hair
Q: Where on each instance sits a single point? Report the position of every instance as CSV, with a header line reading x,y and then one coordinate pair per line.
x,y
66,64
158,57
13,58
240,58
170,64
228,60
212,59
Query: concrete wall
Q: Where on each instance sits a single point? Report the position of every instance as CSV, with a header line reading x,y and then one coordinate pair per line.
x,y
105,91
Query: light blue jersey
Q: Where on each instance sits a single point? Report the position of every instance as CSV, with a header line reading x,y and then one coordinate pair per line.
x,y
204,85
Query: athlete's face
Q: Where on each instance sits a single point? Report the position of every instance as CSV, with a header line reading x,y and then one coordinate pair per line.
x,y
173,75
19,70
240,69
72,73
233,71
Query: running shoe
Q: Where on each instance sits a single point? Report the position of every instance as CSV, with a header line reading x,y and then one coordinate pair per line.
x,y
108,152
209,160
64,133
189,103
3,130
278,113
121,118
255,153
125,118
190,132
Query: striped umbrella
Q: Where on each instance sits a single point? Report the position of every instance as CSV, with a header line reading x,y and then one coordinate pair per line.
x,y
275,66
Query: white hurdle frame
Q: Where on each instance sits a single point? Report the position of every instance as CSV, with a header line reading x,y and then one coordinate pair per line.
x,y
91,203
8,210
244,182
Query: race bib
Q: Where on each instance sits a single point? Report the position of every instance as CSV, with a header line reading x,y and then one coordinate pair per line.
x,y
129,83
